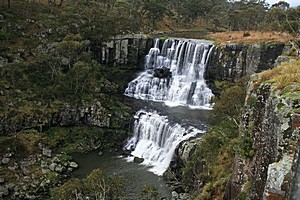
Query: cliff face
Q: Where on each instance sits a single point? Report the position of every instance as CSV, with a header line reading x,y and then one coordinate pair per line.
x,y
268,123
233,61
84,113
123,50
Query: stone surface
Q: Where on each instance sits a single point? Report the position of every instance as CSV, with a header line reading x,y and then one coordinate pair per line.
x,y
162,72
5,160
123,50
138,160
47,152
267,122
73,165
234,61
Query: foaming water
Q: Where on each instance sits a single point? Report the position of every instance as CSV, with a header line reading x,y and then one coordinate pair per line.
x,y
181,82
156,138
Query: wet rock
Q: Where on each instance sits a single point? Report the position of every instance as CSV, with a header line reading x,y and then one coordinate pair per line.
x,y
47,152
73,165
138,160
100,153
162,72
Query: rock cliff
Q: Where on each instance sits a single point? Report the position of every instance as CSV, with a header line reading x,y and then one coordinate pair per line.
x,y
268,122
123,50
42,117
233,61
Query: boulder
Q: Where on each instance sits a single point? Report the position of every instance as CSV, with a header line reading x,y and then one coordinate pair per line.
x,y
162,72
73,165
175,195
138,160
52,167
5,160
59,168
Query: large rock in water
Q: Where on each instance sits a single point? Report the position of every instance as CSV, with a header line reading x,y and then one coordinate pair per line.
x,y
138,160
267,122
162,72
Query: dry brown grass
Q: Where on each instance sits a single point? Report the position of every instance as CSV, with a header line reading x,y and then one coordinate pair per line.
x,y
254,37
287,73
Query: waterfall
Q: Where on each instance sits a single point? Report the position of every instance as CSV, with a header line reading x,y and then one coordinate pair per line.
x,y
174,74
155,139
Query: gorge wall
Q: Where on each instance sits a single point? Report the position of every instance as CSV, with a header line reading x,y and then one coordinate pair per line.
x,y
268,122
233,61
123,50
227,61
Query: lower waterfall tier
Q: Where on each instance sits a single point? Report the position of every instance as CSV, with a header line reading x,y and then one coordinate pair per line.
x,y
155,139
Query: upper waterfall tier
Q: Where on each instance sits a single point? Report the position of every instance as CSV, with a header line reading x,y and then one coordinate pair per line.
x,y
155,139
174,74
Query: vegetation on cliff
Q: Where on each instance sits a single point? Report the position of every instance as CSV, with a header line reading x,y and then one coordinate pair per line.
x,y
209,168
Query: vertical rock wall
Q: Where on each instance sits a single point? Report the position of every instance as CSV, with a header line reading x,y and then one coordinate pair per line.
x,y
267,122
233,61
123,50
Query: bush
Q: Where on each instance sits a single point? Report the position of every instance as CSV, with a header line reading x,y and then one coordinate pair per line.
x,y
246,34
149,192
97,185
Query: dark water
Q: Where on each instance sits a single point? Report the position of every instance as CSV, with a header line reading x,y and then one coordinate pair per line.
x,y
135,175
183,115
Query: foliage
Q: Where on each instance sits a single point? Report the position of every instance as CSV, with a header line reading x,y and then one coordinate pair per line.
x,y
230,101
97,185
208,171
23,144
149,192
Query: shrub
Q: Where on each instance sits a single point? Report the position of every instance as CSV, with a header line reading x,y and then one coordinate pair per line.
x,y
246,34
97,185
149,192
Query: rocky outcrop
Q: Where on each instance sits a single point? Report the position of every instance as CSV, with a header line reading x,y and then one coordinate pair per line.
x,y
123,50
32,177
233,61
84,113
267,172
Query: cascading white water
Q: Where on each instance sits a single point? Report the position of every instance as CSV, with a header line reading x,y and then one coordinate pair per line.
x,y
183,82
155,139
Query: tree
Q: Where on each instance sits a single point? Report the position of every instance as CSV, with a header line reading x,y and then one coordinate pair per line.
x,y
281,4
286,20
